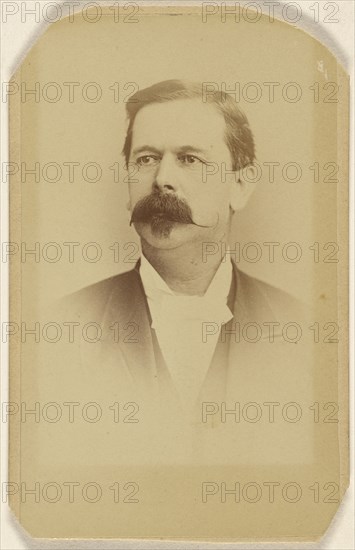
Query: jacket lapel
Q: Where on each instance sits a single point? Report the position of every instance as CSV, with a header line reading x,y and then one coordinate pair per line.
x,y
247,358
251,305
127,311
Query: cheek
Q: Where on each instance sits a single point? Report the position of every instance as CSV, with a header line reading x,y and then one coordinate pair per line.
x,y
210,197
139,187
210,204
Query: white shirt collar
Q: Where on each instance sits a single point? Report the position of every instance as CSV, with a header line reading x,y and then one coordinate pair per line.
x,y
180,321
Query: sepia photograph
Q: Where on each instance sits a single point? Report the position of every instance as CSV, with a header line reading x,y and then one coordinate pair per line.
x,y
178,257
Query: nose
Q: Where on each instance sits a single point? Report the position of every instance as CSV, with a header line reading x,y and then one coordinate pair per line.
x,y
165,177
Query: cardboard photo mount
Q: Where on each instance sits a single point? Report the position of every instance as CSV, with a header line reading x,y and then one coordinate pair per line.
x,y
161,478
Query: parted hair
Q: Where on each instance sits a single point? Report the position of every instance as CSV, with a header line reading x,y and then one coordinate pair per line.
x,y
238,136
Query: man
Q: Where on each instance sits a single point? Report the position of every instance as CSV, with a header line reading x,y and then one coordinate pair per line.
x,y
180,309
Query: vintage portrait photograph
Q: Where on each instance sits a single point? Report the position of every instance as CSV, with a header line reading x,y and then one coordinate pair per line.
x,y
178,263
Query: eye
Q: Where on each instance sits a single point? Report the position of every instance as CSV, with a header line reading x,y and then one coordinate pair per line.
x,y
190,160
147,160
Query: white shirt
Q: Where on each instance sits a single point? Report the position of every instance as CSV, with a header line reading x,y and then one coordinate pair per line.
x,y
187,327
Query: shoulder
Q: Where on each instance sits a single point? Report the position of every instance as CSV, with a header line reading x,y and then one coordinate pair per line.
x,y
262,300
93,299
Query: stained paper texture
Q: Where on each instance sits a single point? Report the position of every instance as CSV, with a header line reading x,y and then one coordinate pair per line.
x,y
124,424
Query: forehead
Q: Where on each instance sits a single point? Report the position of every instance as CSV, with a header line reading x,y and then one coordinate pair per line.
x,y
179,123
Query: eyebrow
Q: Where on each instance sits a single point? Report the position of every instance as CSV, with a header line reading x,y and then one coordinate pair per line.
x,y
146,148
183,149
192,148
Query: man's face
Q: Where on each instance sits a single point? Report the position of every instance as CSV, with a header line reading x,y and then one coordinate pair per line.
x,y
174,145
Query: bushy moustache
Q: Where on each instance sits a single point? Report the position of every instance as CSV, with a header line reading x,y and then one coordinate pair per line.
x,y
162,211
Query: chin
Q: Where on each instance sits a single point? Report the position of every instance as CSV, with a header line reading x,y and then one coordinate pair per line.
x,y
168,236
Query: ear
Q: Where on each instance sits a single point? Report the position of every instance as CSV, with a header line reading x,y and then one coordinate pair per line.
x,y
242,187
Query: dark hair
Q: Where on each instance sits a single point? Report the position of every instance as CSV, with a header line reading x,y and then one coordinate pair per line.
x,y
239,137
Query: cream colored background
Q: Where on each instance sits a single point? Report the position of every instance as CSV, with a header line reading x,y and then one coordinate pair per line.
x,y
246,221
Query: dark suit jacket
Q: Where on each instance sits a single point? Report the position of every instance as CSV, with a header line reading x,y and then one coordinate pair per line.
x,y
112,362
125,355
